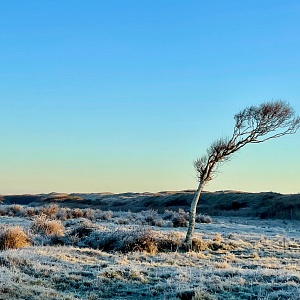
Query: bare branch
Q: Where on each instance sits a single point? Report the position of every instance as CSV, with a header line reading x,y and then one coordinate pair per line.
x,y
254,124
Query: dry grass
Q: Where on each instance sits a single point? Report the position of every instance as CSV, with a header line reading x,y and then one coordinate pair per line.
x,y
50,210
232,258
48,227
16,208
199,245
13,238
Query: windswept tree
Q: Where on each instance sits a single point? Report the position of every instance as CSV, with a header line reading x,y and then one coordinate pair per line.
x,y
254,124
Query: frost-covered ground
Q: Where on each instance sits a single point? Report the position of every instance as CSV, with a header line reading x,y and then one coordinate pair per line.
x,y
255,259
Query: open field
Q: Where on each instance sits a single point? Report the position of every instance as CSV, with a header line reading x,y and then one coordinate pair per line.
x,y
71,253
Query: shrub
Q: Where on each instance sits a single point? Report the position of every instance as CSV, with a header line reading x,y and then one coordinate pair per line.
x,y
121,221
14,238
89,214
218,238
64,213
50,210
104,215
16,208
78,213
169,214
199,245
140,240
159,223
101,240
123,240
149,216
82,230
179,221
203,219
48,227
3,210
29,211
169,242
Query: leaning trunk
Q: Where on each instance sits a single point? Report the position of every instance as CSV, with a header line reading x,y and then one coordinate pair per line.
x,y
192,216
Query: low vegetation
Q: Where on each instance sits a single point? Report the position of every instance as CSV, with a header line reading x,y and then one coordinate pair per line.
x,y
55,252
266,205
13,238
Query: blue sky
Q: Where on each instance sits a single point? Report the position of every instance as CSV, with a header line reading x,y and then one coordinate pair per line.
x,y
123,95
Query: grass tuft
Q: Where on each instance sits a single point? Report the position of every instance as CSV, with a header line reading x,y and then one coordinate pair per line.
x,y
48,227
13,238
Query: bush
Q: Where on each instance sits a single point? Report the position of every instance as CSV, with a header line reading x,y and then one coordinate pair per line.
x,y
83,230
218,238
89,214
140,240
179,221
104,215
50,210
199,245
169,242
78,213
16,208
203,219
14,238
48,227
3,210
29,212
123,240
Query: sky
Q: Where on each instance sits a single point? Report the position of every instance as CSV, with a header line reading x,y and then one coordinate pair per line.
x,y
120,96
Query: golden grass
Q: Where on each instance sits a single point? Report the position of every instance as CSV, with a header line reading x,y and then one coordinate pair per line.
x,y
48,227
13,238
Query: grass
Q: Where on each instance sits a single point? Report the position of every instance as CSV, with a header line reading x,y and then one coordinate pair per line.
x,y
48,227
13,238
227,203
99,257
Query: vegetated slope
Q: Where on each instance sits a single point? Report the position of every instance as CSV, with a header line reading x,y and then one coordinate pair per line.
x,y
227,203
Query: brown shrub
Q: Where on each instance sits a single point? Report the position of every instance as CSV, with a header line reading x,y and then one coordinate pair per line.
x,y
29,211
169,242
199,245
141,240
89,214
179,221
48,227
16,208
124,241
50,210
218,238
78,213
14,238
215,246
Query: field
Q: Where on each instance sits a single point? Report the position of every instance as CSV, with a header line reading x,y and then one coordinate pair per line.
x,y
85,253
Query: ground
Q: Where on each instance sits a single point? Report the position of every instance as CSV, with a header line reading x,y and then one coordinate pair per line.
x,y
248,258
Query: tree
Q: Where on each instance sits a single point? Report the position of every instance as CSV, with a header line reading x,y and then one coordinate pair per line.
x,y
254,124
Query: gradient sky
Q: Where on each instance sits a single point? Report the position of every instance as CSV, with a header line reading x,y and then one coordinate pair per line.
x,y
123,95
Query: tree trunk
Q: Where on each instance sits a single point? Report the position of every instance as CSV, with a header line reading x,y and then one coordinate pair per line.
x,y
192,216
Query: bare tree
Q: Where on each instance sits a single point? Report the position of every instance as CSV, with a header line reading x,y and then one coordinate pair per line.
x,y
254,124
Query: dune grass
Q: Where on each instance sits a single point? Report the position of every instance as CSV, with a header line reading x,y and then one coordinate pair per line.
x,y
125,255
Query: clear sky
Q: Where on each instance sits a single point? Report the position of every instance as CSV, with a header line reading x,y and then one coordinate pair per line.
x,y
123,95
